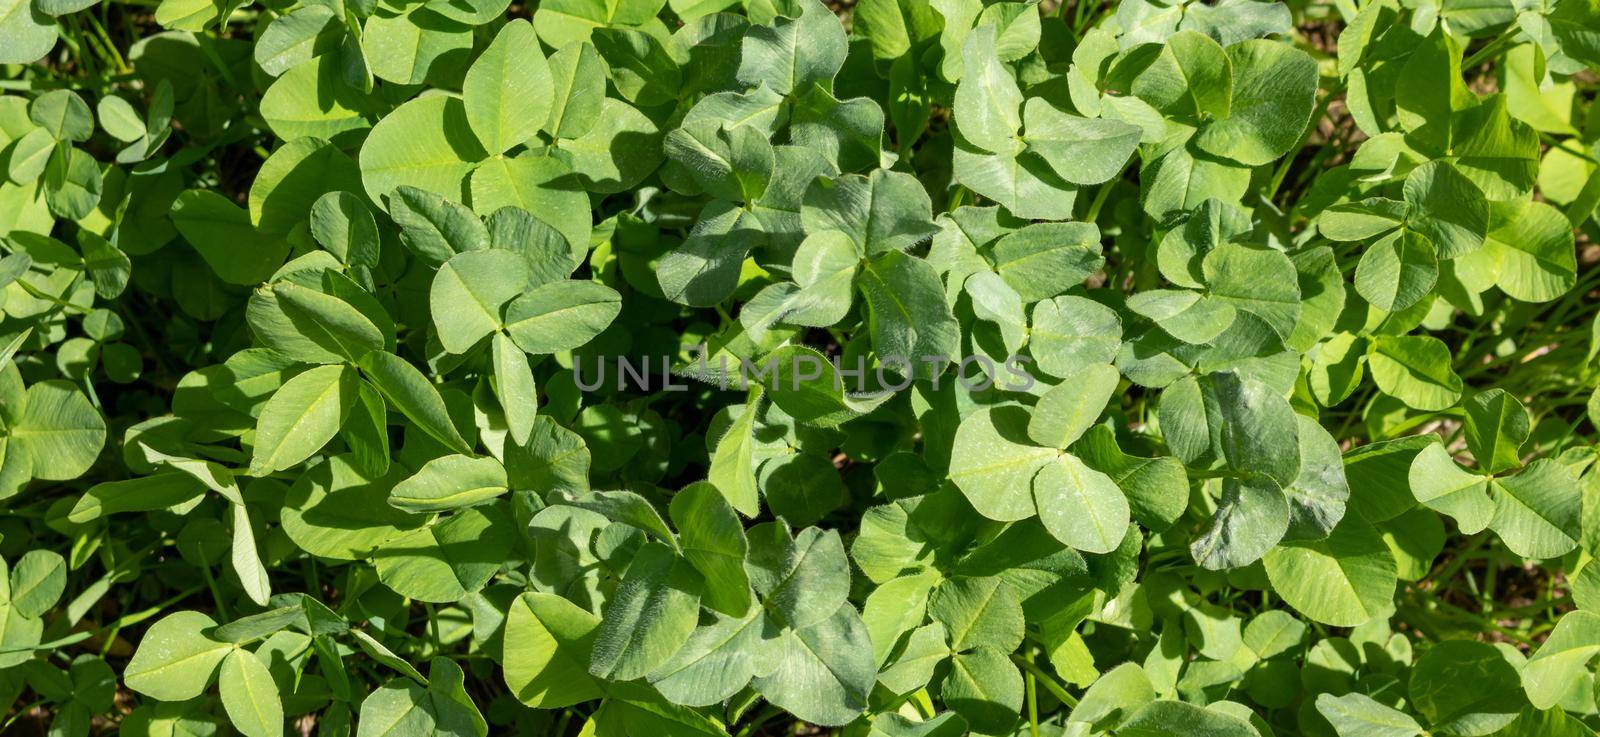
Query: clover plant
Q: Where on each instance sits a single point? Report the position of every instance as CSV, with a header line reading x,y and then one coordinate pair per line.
x,y
889,368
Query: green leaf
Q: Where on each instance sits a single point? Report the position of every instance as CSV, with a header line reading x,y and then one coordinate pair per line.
x,y
1496,426
1163,718
508,90
468,293
1397,271
246,559
434,227
978,612
810,388
1259,281
426,143
1188,316
1358,715
302,417
408,48
993,462
713,542
292,179
1251,519
404,707
1044,259
988,103
332,323
1071,332
57,429
795,52
1345,580
563,22
1068,409
705,269
1562,658
719,659
226,239
621,149
25,33
910,321
37,582
1447,208
642,71
985,688
338,510
1114,696
731,164
449,559
1535,251
1435,687
825,672
250,695
514,384
1080,506
1082,150
882,212
1191,77
578,77
1537,512
297,36
63,114
176,660
416,398
450,482
1274,90
341,223
653,611
1414,369
561,315
732,472
547,644
804,583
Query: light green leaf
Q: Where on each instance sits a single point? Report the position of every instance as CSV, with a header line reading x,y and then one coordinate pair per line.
x,y
302,417
1080,506
1537,512
450,559
561,315
1414,369
1562,658
1397,271
1345,580
450,482
654,610
250,695
825,672
713,542
988,103
176,660
468,292
416,398
508,90
794,53
426,143
1082,151
58,429
993,462
547,644
1358,715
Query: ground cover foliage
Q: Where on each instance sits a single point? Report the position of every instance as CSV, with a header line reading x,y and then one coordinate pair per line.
x,y
1238,368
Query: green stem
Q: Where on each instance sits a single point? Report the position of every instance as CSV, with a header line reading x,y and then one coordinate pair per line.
x,y
1491,49
1033,705
1050,683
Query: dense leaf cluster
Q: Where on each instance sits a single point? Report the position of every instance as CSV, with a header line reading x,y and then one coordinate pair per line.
x,y
1150,368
